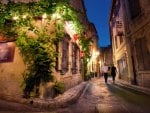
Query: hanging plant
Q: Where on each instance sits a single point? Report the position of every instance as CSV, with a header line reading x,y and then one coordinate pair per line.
x,y
59,88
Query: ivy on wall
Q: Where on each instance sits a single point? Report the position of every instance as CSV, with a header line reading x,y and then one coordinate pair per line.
x,y
86,50
37,44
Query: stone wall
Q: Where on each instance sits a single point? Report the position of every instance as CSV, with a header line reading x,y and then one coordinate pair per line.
x,y
139,29
143,79
11,76
71,81
11,79
46,91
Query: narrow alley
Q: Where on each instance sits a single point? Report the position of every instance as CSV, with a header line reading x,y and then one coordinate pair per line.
x,y
109,98
55,54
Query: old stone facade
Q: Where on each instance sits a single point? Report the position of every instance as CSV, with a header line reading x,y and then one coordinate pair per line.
x,y
106,55
90,32
67,69
79,6
129,26
93,63
68,65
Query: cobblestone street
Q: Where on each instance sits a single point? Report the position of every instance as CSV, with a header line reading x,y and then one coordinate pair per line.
x,y
87,101
109,98
74,56
97,97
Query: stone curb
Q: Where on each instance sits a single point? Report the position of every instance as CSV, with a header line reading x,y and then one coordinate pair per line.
x,y
69,97
61,101
133,87
123,84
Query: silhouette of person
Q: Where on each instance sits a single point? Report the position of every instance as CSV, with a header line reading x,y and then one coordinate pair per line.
x,y
113,73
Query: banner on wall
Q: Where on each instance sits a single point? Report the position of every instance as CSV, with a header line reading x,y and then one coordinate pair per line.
x,y
7,50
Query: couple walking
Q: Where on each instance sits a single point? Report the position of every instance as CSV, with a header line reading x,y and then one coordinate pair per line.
x,y
112,70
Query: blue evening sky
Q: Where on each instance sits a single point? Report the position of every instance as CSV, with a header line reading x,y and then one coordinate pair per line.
x,y
98,13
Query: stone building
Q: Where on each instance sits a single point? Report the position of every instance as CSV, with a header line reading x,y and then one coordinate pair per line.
x,y
106,55
93,63
79,6
90,32
67,68
129,30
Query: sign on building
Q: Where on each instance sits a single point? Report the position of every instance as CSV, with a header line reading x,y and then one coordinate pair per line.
x,y
7,50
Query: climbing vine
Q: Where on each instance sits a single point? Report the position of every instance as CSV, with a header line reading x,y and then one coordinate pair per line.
x,y
85,43
18,21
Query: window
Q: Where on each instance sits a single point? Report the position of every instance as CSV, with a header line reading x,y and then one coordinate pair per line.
x,y
74,58
134,7
122,65
142,54
65,56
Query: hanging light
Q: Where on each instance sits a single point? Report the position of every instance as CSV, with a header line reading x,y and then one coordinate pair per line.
x,y
15,18
44,16
24,16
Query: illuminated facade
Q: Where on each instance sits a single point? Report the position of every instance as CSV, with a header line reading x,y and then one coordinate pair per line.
x,y
106,55
93,63
67,66
90,32
129,30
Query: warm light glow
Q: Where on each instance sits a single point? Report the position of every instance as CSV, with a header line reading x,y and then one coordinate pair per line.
x,y
87,60
44,16
95,54
15,17
69,27
100,62
56,16
24,16
54,3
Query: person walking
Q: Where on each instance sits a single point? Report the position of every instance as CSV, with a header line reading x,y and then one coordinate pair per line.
x,y
113,73
105,72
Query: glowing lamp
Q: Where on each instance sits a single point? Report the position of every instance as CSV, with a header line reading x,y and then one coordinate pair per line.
x,y
15,17
44,16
